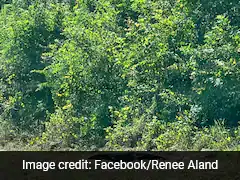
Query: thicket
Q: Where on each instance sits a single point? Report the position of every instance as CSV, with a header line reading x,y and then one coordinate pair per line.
x,y
120,74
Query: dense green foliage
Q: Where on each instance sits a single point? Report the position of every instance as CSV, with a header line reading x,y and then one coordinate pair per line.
x,y
117,75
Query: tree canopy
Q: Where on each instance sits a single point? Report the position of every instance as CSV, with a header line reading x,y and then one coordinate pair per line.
x,y
120,74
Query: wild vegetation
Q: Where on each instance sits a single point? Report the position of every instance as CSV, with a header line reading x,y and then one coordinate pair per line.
x,y
120,74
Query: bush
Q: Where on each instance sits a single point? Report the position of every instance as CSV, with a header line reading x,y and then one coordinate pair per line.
x,y
146,75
